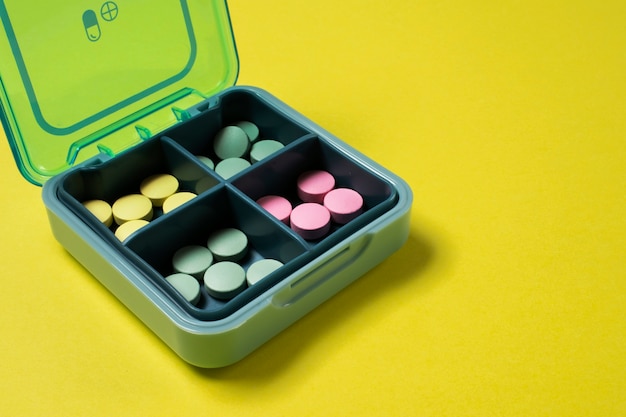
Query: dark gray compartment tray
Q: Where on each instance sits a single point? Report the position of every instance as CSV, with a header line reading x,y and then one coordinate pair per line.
x,y
225,202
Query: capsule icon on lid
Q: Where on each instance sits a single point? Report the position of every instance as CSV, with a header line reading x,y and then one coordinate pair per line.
x,y
91,25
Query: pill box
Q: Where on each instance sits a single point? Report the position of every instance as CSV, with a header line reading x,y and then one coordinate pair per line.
x,y
93,105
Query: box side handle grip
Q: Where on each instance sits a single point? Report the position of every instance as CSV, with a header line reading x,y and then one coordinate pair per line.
x,y
321,274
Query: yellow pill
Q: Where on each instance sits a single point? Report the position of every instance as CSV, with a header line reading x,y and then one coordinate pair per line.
x,y
158,187
177,200
132,207
101,209
124,231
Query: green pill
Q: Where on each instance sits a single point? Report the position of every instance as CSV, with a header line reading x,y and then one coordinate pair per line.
x,y
228,244
264,148
224,280
186,285
192,260
231,142
251,130
260,269
231,166
206,161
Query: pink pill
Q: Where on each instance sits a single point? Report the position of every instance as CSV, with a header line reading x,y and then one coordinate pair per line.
x,y
313,186
344,204
310,220
277,206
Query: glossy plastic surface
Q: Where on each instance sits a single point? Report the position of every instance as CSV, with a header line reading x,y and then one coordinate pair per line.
x,y
218,332
224,203
79,80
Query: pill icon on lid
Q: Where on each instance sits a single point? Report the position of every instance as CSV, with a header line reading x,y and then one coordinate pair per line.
x,y
91,25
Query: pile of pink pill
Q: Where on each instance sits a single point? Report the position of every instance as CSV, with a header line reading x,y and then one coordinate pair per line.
x,y
321,204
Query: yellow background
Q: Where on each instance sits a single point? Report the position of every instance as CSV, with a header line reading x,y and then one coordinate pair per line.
x,y
506,117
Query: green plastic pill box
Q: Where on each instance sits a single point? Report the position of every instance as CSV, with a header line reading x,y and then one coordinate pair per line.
x,y
93,103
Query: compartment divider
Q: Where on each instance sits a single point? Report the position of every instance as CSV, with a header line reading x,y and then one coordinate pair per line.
x,y
224,206
193,172
255,206
226,203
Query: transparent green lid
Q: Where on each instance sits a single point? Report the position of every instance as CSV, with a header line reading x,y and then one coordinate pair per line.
x,y
80,78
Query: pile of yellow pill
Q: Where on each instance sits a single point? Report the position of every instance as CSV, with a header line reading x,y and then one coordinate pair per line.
x,y
129,213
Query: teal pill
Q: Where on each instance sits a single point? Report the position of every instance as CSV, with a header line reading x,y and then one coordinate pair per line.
x,y
206,161
251,130
224,280
192,260
261,269
231,166
186,285
231,142
228,244
264,148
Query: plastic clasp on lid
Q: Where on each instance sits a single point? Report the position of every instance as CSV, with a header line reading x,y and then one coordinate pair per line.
x,y
80,78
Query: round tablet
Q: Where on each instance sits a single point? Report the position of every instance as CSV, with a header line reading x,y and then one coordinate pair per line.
x,y
251,130
206,161
263,149
260,269
277,206
313,185
192,260
224,280
177,200
132,207
186,285
231,142
231,166
344,204
124,231
228,244
158,187
310,220
101,209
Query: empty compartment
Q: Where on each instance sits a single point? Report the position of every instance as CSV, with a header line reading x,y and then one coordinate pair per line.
x,y
123,175
198,134
279,176
193,224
